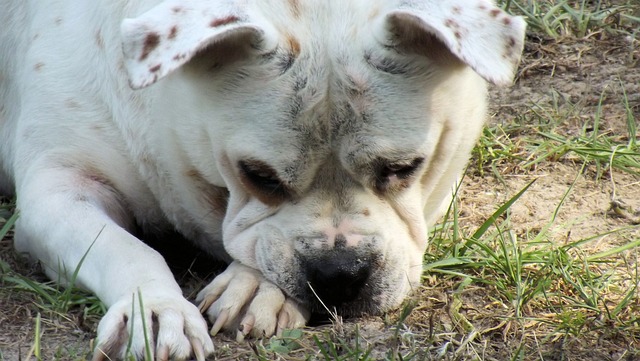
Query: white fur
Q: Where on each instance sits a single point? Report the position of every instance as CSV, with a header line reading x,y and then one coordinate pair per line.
x,y
116,115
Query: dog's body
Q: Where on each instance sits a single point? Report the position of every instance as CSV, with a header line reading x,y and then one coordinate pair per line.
x,y
299,140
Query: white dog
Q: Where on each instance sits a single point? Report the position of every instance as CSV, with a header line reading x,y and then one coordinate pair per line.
x,y
300,140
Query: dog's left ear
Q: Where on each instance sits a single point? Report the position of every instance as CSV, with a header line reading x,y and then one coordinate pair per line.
x,y
476,32
169,35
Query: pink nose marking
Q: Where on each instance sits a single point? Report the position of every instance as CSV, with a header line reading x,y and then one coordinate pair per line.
x,y
345,229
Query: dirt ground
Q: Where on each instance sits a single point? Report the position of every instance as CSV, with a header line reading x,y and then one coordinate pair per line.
x,y
565,78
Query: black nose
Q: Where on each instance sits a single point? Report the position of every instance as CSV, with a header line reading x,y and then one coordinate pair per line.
x,y
339,277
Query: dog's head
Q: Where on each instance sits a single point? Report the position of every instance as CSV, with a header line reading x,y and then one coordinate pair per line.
x,y
339,127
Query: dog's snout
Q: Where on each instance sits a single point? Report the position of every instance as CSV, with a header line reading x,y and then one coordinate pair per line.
x,y
339,277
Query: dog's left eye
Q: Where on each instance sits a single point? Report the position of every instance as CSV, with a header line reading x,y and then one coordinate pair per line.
x,y
263,181
396,174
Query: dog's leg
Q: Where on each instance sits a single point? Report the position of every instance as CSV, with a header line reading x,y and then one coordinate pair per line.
x,y
242,298
67,215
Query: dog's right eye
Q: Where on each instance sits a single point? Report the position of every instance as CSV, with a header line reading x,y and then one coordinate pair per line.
x,y
396,175
263,182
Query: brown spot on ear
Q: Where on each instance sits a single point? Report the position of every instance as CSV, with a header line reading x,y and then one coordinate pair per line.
x,y
214,197
155,68
506,21
179,57
494,13
511,42
295,7
450,23
38,66
294,45
150,43
173,32
177,9
456,10
223,21
366,212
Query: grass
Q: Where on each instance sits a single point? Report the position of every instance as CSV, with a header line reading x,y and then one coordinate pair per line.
x,y
533,272
492,290
524,144
575,18
51,296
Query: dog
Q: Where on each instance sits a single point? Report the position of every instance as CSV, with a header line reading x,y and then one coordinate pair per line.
x,y
310,144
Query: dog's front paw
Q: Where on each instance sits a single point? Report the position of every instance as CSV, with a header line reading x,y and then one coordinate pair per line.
x,y
241,298
165,327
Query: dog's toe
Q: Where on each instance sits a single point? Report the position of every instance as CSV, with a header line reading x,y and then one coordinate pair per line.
x,y
260,317
292,315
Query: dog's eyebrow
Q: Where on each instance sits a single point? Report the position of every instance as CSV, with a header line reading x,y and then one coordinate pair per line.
x,y
285,61
281,57
386,64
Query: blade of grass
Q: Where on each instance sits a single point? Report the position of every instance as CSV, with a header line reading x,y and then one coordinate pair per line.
x,y
614,251
147,342
499,212
7,226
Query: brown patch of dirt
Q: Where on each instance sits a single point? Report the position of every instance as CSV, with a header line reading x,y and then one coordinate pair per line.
x,y
568,81
586,211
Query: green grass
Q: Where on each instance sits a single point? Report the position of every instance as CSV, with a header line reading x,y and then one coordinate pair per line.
x,y
603,149
50,295
532,268
50,299
527,142
575,18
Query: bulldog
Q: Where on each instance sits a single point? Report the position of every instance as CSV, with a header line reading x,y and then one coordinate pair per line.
x,y
308,143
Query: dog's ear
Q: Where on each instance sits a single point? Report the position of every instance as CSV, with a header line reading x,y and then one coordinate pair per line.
x,y
475,32
169,35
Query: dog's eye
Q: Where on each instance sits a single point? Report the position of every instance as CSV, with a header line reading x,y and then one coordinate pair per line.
x,y
396,174
263,181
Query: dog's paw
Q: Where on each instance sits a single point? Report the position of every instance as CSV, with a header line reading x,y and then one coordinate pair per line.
x,y
169,328
241,298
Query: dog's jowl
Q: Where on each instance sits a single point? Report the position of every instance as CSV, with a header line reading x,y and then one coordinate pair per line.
x,y
309,143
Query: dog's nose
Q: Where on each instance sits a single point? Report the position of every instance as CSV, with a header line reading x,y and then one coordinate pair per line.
x,y
339,277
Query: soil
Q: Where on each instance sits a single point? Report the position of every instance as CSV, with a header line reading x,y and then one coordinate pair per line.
x,y
565,80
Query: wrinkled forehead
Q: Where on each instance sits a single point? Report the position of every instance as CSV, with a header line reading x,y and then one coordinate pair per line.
x,y
341,107
333,89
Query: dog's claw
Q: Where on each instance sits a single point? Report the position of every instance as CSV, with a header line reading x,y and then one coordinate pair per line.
x,y
239,336
198,349
283,322
220,322
207,302
245,327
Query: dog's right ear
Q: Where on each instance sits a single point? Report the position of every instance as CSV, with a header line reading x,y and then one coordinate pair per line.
x,y
169,35
476,32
